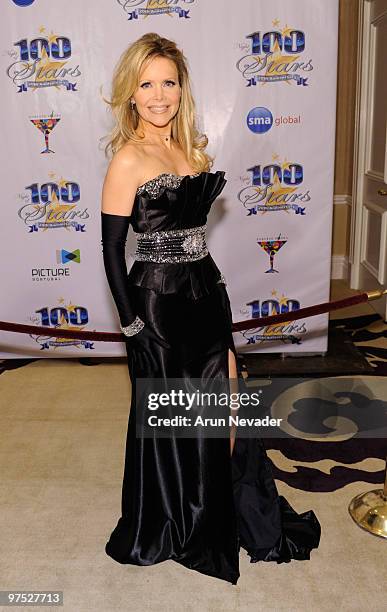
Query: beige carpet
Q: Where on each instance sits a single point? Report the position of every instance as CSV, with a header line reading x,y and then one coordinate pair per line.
x,y
62,451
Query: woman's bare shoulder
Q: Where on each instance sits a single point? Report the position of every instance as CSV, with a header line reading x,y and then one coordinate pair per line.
x,y
128,155
121,181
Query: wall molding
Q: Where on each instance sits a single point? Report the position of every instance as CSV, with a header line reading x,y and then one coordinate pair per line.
x,y
342,199
339,267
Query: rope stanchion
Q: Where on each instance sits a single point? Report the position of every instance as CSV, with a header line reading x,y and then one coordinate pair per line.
x,y
302,313
368,510
58,332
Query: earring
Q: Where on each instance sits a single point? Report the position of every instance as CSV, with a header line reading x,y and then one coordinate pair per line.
x,y
132,104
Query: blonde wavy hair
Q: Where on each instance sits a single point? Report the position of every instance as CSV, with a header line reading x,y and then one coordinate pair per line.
x,y
125,82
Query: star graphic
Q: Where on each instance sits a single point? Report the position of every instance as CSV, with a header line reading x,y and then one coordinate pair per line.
x,y
286,30
283,300
56,207
258,60
276,62
63,324
47,66
71,307
159,4
277,191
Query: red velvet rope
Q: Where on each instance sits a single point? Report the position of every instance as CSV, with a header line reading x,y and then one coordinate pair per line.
x,y
302,313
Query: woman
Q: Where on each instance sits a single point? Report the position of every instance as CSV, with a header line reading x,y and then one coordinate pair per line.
x,y
184,499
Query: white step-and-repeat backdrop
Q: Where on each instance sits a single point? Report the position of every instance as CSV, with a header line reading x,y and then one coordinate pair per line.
x,y
264,80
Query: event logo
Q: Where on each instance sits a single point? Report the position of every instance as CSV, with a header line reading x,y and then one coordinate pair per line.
x,y
278,186
23,2
58,273
63,316
45,124
49,274
65,257
271,246
43,61
286,332
53,205
260,120
155,7
275,56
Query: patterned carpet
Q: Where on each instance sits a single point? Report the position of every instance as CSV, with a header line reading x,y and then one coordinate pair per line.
x,y
327,465
294,458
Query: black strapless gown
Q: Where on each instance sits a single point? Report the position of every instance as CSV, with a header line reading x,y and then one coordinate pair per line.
x,y
187,499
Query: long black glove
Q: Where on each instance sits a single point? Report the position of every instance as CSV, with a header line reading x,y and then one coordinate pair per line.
x,y
114,234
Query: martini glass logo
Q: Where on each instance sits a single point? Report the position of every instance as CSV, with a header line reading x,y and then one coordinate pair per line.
x,y
271,246
46,125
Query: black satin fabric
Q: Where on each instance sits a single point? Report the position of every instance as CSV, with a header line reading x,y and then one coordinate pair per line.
x,y
186,499
114,230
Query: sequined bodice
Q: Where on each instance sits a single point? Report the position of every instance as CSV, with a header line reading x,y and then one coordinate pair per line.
x,y
169,216
170,201
166,179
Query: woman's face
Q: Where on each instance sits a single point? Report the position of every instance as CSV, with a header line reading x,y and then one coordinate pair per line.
x,y
158,94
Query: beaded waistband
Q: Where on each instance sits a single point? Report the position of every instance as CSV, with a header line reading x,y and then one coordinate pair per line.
x,y
172,246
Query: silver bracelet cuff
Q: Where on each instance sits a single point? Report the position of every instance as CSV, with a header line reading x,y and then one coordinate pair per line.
x,y
133,328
